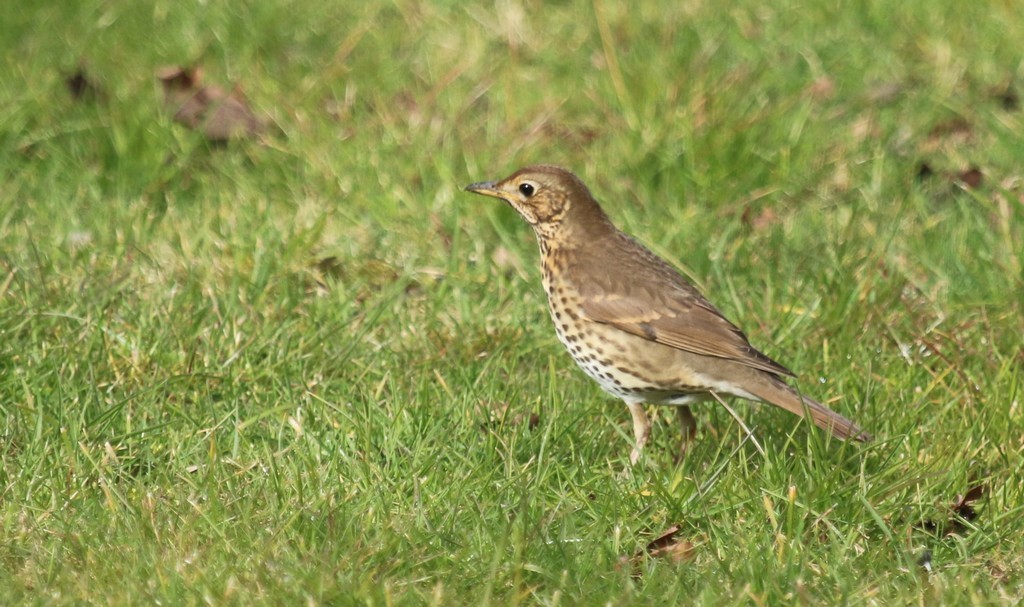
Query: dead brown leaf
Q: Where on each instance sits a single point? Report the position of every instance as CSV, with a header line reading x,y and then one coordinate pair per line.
x,y
219,114
961,512
669,546
963,505
971,178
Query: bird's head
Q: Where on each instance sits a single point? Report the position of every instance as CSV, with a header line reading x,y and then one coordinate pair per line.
x,y
548,198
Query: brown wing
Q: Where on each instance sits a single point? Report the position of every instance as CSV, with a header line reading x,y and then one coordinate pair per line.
x,y
645,296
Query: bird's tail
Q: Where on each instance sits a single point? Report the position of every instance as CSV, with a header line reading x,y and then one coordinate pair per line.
x,y
778,393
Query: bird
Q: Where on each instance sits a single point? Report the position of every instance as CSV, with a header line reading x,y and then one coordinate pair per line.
x,y
632,322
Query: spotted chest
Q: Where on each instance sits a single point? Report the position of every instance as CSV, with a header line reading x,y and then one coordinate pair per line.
x,y
596,348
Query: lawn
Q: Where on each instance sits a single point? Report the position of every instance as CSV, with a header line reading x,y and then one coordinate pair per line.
x,y
306,368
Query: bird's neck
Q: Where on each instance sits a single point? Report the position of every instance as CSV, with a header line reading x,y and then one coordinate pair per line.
x,y
574,231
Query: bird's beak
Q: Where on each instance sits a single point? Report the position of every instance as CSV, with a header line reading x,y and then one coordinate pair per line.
x,y
487,188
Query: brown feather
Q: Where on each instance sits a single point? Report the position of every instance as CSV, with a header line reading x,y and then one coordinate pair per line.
x,y
674,314
778,393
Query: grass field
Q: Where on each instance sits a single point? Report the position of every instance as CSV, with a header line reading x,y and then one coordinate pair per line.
x,y
307,369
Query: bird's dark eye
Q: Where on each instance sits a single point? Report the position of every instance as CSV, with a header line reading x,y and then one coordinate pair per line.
x,y
526,189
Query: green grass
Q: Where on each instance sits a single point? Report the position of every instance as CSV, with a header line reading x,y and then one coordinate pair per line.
x,y
276,373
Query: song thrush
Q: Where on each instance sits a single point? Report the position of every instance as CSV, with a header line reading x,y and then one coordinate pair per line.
x,y
631,321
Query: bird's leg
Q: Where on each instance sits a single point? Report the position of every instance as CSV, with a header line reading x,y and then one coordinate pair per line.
x,y
688,427
641,430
